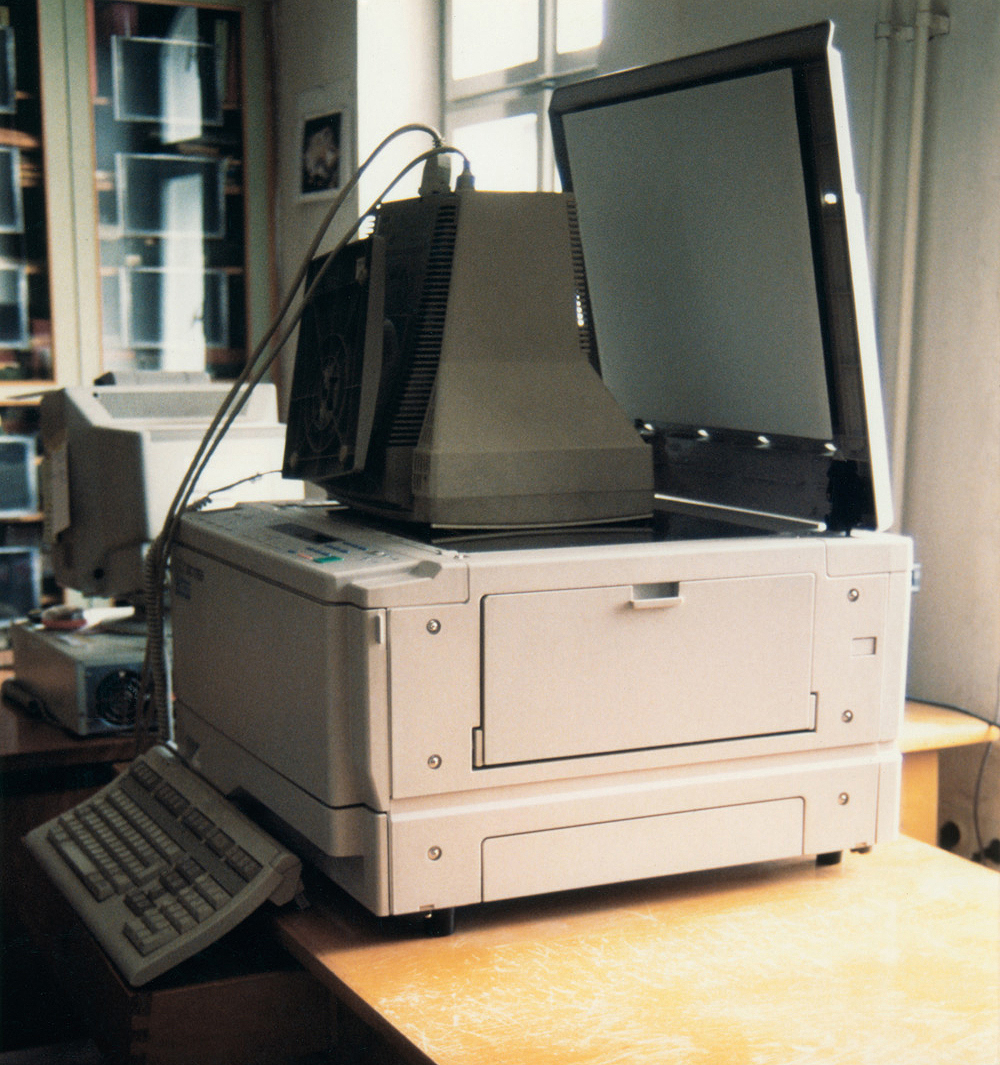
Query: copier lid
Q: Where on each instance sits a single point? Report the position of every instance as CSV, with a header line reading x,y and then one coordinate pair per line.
x,y
725,261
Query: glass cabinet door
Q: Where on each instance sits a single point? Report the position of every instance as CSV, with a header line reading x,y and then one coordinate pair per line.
x,y
25,321
171,174
135,205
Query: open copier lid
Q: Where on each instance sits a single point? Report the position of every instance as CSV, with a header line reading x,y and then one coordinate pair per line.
x,y
726,266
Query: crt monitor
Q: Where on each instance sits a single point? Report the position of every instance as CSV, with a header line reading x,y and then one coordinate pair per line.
x,y
446,374
114,455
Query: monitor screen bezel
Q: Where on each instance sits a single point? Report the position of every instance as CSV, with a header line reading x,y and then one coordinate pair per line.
x,y
839,483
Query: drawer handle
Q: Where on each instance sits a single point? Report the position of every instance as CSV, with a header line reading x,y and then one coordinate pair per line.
x,y
656,596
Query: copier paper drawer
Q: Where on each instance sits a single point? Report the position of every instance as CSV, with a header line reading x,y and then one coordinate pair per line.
x,y
586,671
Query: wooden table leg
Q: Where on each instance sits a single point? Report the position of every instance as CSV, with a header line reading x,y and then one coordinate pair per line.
x,y
919,803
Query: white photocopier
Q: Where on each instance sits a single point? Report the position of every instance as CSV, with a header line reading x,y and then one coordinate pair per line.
x,y
439,713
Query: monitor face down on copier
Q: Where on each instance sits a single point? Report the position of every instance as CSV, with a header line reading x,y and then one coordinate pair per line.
x,y
725,259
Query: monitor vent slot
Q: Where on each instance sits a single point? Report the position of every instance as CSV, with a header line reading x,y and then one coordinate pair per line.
x,y
584,318
419,386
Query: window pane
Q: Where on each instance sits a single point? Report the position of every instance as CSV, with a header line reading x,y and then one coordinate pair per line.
x,y
579,25
503,152
492,36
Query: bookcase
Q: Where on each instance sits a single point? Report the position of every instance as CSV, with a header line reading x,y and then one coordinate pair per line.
x,y
135,199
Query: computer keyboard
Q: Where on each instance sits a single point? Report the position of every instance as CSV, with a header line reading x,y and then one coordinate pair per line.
x,y
158,865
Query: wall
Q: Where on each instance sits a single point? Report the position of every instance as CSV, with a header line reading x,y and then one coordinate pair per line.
x,y
378,60
398,77
315,44
953,483
316,72
953,498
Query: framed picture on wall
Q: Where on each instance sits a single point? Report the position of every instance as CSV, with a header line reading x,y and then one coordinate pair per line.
x,y
323,155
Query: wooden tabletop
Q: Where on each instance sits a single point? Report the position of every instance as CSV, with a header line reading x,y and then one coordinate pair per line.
x,y
927,727
891,956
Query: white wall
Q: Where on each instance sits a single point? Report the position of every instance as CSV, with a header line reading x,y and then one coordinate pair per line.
x,y
953,482
378,60
316,72
398,83
315,45
953,497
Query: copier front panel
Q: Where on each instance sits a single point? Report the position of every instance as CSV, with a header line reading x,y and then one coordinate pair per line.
x,y
726,701
285,676
576,672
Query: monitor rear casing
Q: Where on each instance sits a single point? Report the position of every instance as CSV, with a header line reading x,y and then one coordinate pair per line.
x,y
445,373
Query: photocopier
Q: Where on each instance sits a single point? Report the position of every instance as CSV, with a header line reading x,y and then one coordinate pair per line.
x,y
438,717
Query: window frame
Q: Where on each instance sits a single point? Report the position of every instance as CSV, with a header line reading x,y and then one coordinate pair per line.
x,y
522,89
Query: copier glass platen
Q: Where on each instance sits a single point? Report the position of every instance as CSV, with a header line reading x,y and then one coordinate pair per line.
x,y
443,720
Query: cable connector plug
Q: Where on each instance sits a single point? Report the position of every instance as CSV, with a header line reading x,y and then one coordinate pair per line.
x,y
436,176
465,180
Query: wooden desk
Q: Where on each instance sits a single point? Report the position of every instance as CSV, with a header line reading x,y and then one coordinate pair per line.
x,y
28,743
243,999
927,730
43,771
889,957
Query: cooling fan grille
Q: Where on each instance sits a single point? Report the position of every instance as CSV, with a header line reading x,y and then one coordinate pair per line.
x,y
326,388
116,697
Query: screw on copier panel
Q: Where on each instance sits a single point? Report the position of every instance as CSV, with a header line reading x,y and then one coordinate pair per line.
x,y
434,626
854,595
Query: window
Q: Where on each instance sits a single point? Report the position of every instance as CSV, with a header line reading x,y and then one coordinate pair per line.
x,y
502,59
